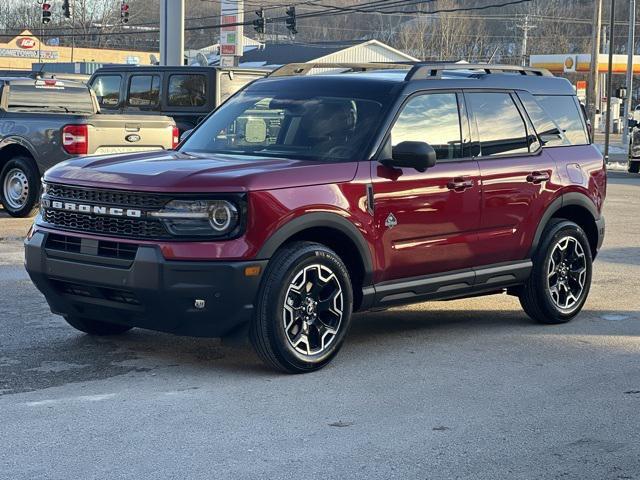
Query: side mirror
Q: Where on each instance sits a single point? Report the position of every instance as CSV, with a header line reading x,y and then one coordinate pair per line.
x,y
418,155
185,134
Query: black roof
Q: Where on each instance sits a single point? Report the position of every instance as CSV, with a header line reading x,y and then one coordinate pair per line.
x,y
283,53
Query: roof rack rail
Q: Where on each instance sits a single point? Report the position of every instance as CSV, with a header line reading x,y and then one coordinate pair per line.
x,y
422,71
417,70
304,68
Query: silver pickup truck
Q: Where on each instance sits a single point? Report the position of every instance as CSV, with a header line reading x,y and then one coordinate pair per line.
x,y
44,121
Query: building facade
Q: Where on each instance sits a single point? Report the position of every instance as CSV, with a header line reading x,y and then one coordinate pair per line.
x,y
24,49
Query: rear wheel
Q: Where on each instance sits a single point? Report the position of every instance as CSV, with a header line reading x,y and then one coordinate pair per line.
x,y
634,166
19,186
304,308
561,277
96,327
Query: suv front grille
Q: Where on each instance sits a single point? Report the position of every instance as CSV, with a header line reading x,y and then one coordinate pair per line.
x,y
147,228
107,197
110,226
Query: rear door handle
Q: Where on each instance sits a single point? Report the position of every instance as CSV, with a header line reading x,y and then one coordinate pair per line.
x,y
459,184
538,177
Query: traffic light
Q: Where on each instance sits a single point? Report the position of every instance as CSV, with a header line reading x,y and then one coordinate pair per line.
x,y
46,12
124,12
67,9
291,20
260,22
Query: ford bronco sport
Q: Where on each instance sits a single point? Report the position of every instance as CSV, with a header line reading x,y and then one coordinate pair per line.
x,y
305,198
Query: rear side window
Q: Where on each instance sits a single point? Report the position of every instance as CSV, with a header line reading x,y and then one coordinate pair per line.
x,y
501,127
549,132
564,110
187,91
107,88
434,119
144,92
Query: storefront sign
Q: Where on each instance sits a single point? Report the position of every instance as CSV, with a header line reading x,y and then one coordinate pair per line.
x,y
17,53
26,42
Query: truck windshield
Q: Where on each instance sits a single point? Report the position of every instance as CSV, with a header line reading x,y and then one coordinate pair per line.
x,y
319,128
50,99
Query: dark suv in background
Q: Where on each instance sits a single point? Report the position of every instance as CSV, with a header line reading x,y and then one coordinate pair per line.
x,y
187,94
305,198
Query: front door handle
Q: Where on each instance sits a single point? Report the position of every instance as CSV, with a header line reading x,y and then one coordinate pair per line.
x,y
538,177
460,184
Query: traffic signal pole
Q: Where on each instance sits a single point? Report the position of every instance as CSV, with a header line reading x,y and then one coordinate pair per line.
x,y
171,32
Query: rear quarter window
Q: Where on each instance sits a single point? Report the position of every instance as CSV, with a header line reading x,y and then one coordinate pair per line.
x,y
565,112
187,90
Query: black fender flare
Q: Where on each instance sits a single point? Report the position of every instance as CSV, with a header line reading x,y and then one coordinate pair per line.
x,y
315,220
564,200
13,140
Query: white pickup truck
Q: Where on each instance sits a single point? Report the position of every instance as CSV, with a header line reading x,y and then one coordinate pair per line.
x,y
44,121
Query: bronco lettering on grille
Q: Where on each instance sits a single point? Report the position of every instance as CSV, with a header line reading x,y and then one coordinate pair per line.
x,y
95,209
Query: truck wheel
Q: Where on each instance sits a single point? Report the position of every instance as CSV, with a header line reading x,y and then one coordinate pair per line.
x,y
634,166
561,277
19,186
304,308
96,327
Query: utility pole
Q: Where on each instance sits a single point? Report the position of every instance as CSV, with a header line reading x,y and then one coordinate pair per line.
x,y
607,128
593,91
172,32
525,27
629,83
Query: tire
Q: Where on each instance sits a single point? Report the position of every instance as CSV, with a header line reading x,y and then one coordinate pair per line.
x,y
315,284
19,186
561,278
634,166
96,327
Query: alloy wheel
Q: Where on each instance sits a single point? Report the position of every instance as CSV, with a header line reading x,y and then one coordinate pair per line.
x,y
313,309
15,189
567,273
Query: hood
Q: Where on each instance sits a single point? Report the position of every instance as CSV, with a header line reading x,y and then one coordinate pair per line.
x,y
171,171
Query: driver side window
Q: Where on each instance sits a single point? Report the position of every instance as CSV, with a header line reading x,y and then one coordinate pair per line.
x,y
432,118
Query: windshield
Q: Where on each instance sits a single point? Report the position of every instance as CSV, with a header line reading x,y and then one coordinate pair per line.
x,y
319,128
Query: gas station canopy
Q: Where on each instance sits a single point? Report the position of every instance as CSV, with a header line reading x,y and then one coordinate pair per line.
x,y
581,63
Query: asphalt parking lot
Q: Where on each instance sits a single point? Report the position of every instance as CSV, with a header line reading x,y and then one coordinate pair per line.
x,y
464,389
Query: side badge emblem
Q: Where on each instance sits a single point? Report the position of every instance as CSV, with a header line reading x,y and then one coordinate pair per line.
x,y
391,221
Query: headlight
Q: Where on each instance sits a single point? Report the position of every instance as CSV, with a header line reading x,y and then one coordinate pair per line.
x,y
199,218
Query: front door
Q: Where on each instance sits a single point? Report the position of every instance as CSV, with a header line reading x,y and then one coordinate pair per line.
x,y
427,222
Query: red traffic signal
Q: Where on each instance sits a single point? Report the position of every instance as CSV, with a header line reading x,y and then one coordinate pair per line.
x,y
124,12
46,13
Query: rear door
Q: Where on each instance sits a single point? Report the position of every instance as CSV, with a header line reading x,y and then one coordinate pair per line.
x,y
427,222
518,176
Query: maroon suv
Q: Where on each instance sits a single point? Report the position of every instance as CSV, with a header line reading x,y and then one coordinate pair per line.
x,y
305,198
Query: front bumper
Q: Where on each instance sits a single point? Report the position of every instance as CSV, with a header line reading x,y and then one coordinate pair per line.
x,y
147,292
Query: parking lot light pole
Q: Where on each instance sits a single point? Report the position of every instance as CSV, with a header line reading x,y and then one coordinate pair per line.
x,y
593,92
607,127
629,83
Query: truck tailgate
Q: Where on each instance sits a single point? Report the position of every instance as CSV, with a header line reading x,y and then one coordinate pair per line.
x,y
129,133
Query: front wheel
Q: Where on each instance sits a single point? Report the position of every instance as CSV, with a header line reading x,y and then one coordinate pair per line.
x,y
304,308
561,277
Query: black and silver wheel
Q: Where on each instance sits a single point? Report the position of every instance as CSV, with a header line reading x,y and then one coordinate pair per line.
x,y
96,327
304,308
19,187
561,277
